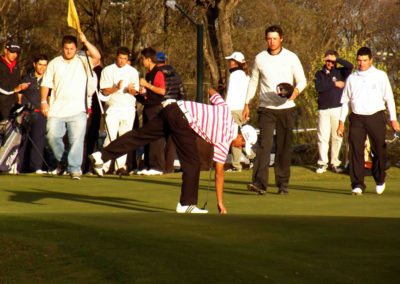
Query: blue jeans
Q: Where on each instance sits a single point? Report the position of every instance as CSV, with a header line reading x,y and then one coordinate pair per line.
x,y
75,126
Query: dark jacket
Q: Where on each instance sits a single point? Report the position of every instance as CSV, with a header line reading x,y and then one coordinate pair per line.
x,y
31,96
328,94
150,98
173,83
8,82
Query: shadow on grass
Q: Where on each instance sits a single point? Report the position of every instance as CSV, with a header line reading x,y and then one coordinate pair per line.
x,y
34,197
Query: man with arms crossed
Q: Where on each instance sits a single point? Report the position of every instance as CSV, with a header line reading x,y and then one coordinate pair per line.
x,y
366,91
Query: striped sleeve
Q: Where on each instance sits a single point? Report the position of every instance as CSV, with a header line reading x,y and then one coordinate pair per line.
x,y
220,152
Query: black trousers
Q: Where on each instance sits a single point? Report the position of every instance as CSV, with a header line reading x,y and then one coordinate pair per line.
x,y
154,152
169,122
281,121
32,150
375,127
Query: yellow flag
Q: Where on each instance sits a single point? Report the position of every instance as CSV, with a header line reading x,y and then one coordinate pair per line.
x,y
73,20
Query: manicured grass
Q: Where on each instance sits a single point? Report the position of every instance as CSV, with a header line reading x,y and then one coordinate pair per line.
x,y
110,230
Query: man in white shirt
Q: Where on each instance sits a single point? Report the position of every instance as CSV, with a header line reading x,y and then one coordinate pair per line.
x,y
67,76
274,66
366,91
120,82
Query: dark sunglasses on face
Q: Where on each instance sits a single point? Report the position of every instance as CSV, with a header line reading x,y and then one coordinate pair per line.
x,y
330,61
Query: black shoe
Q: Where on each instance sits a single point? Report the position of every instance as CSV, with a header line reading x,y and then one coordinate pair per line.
x,y
255,188
122,172
337,170
61,168
283,191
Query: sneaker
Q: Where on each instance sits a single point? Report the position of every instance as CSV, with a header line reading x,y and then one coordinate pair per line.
x,y
380,188
190,209
40,172
152,172
357,191
321,169
142,172
76,176
337,170
255,188
233,170
97,163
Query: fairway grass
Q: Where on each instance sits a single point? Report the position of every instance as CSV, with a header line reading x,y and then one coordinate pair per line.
x,y
111,230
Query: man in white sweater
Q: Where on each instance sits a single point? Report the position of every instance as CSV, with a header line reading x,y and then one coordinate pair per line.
x,y
274,66
366,91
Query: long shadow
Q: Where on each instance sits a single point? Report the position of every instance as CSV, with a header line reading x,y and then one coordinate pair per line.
x,y
34,196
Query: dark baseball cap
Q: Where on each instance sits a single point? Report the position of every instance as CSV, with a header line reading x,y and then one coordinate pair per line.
x,y
161,57
13,46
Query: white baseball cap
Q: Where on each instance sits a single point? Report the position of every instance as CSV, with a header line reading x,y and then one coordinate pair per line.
x,y
237,56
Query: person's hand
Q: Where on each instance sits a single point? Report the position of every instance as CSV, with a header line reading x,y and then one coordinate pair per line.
x,y
294,95
222,209
44,108
143,83
340,129
142,90
119,85
212,92
246,112
339,84
131,89
82,38
21,87
395,125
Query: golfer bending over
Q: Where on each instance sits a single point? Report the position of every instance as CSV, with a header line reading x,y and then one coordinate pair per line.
x,y
183,120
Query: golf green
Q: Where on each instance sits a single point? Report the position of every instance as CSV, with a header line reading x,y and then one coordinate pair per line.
x,y
111,230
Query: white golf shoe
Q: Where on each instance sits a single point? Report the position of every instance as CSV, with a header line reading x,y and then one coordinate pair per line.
x,y
190,209
357,191
97,163
380,188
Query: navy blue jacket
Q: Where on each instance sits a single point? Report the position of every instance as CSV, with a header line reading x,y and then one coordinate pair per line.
x,y
328,94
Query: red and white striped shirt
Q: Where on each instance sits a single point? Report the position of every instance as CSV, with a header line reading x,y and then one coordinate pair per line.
x,y
213,123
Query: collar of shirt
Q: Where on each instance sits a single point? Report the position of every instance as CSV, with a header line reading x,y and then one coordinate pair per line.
x,y
10,65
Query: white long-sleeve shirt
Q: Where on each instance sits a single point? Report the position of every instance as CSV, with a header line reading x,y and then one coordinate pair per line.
x,y
367,92
237,90
272,70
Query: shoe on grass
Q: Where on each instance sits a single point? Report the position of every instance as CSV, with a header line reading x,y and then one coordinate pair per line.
x,y
233,170
190,209
321,169
357,191
76,176
380,188
97,163
255,188
153,172
337,170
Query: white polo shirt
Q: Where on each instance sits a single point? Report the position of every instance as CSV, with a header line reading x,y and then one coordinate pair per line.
x,y
237,89
367,92
67,79
110,77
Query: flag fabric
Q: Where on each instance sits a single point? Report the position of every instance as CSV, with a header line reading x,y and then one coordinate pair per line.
x,y
72,19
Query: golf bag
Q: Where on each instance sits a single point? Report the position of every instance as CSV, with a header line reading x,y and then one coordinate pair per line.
x,y
10,139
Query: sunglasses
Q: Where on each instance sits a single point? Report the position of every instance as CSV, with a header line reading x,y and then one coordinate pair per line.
x,y
330,61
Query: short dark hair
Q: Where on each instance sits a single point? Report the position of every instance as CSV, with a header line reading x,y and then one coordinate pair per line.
x,y
69,39
39,57
274,29
331,52
123,50
149,52
364,51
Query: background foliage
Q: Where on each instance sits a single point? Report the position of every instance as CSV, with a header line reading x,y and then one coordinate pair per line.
x,y
310,27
